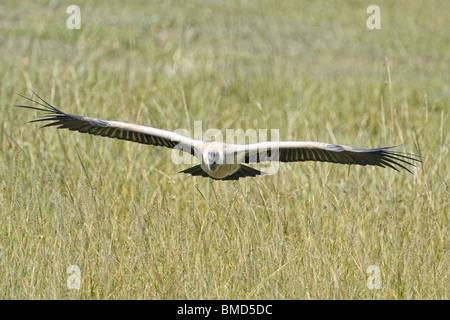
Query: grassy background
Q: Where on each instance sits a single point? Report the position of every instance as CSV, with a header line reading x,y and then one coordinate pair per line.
x,y
138,230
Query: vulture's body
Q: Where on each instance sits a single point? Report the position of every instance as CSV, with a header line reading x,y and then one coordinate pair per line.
x,y
222,161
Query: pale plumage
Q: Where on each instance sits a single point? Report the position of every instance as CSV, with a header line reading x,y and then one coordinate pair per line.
x,y
222,161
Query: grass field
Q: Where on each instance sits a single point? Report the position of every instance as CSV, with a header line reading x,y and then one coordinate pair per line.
x,y
138,230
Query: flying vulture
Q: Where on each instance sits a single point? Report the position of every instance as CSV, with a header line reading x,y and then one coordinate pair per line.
x,y
221,161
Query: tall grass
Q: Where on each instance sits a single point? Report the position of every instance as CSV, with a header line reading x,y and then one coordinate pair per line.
x,y
138,230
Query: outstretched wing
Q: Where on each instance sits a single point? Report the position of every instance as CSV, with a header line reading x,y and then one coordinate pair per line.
x,y
317,151
111,129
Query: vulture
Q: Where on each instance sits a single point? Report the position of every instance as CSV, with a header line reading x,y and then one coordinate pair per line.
x,y
222,161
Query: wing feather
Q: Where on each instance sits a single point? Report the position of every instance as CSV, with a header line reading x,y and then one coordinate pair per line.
x,y
294,151
111,129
